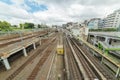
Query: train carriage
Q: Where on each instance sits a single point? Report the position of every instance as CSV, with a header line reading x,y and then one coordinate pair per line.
x,y
108,42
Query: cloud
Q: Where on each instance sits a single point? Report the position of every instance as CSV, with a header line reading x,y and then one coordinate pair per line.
x,y
55,11
13,11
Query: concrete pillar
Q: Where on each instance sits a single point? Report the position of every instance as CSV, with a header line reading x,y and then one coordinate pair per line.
x,y
6,63
106,40
25,52
102,60
95,39
88,38
40,41
118,72
34,46
93,52
88,48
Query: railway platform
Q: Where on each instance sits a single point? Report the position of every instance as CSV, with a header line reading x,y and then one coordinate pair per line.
x,y
13,48
10,49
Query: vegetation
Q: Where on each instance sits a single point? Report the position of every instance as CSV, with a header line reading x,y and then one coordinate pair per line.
x,y
15,26
104,29
21,26
5,26
28,26
39,26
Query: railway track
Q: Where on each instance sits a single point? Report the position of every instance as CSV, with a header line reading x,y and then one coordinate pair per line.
x,y
92,68
39,65
36,53
88,72
74,71
5,42
52,71
104,71
17,35
45,72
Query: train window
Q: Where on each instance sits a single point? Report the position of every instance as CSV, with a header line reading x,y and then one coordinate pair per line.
x,y
110,41
115,40
91,35
101,38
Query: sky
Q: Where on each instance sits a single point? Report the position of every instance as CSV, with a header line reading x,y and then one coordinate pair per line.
x,y
55,12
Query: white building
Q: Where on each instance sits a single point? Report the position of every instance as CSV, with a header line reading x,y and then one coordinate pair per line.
x,y
84,32
93,23
113,20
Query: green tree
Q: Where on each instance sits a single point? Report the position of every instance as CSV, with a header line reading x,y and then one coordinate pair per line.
x,y
14,26
29,25
5,26
39,26
21,26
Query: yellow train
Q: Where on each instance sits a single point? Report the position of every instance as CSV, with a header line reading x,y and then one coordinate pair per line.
x,y
60,49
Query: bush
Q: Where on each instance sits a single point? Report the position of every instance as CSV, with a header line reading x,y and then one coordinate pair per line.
x,y
104,29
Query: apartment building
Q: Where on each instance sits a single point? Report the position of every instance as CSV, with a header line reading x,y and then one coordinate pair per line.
x,y
113,20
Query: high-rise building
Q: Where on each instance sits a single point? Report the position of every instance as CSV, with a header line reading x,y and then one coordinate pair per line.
x,y
113,20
